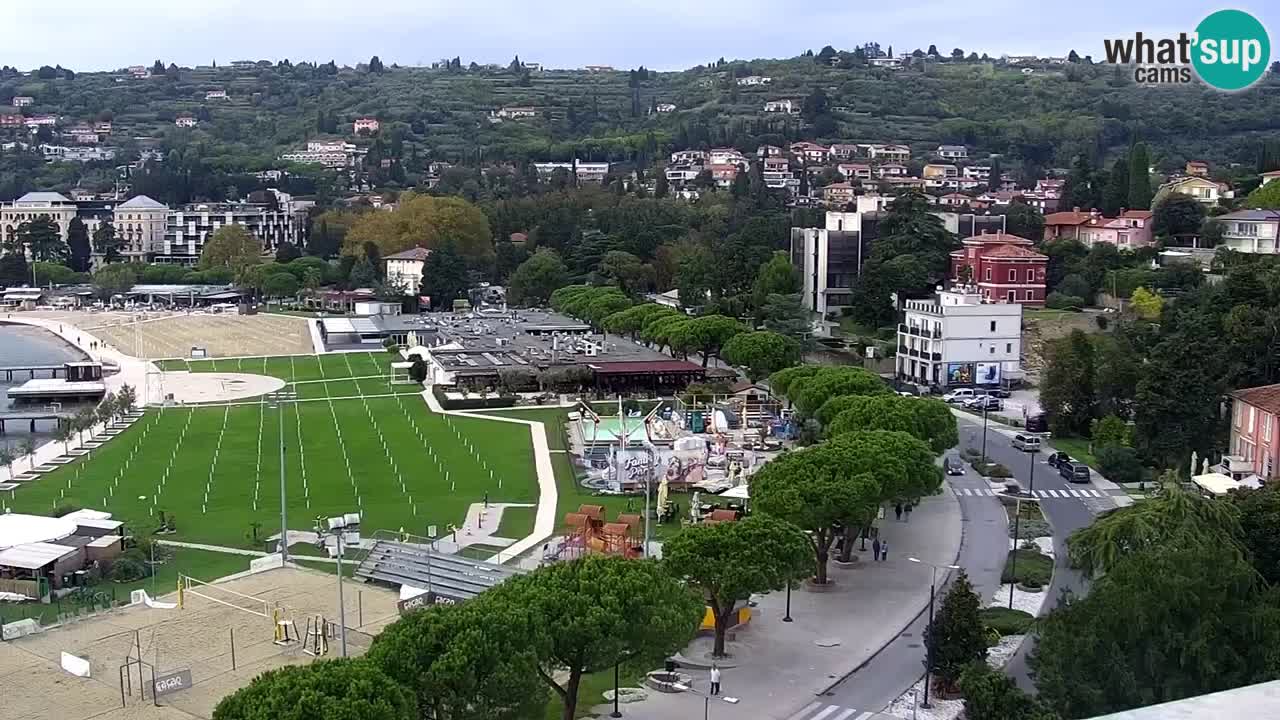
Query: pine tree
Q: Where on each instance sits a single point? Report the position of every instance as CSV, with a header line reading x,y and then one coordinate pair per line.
x,y
1139,178
78,245
956,637
1078,190
1116,195
660,185
994,181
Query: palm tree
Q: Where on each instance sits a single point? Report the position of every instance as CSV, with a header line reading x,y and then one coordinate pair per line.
x,y
63,434
28,450
7,458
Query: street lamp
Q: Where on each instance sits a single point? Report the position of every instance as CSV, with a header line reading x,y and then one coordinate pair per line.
x,y
1017,517
277,401
706,697
787,617
338,527
984,432
616,712
928,657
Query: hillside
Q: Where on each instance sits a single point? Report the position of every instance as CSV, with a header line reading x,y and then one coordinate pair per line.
x,y
1038,119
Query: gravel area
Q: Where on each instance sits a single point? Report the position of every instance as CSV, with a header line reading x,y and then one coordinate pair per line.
x,y
1000,653
905,705
1044,543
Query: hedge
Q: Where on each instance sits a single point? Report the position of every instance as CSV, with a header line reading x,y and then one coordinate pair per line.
x,y
1031,566
471,402
1006,621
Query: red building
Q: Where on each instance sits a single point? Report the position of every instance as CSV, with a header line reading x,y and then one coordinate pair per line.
x,y
1003,266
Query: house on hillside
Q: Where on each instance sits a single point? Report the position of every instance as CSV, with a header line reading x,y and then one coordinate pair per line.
x,y
23,100
1197,168
404,269
365,125
665,107
1251,231
1203,189
952,152
754,80
1129,230
216,95
1255,429
782,106
889,153
810,152
186,121
838,193
1270,176
843,151
892,170
854,171
1003,266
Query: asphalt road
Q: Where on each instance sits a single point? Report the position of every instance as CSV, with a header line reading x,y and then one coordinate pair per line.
x,y
982,548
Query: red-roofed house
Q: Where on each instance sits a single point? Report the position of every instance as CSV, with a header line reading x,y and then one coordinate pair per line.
x,y
1255,428
810,152
838,193
723,174
1131,230
1003,266
854,171
1197,168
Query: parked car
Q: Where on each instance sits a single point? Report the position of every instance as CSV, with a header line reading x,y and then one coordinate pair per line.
x,y
1026,443
985,402
1058,458
959,396
1038,423
953,465
999,392
1074,471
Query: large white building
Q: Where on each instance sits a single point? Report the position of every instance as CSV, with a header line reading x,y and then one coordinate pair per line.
x,y
586,171
140,224
404,269
957,339
187,229
55,206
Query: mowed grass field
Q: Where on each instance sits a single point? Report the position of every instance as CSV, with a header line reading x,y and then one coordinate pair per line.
x,y
216,468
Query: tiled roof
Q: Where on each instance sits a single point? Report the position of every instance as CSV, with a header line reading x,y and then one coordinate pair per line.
x,y
1266,397
1012,251
417,253
1069,217
1264,215
1138,214
998,238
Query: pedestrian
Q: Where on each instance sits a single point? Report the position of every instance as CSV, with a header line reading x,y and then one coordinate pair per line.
x,y
908,511
884,551
715,679
486,499
897,511
875,549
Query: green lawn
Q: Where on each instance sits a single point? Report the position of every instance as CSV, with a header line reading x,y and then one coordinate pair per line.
x,y
516,522
1030,565
341,457
1077,448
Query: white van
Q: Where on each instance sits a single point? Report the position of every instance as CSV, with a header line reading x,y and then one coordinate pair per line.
x,y
959,395
1026,443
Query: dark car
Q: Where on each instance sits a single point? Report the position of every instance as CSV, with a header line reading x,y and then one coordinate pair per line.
x,y
1074,471
1058,458
998,392
1038,423
952,465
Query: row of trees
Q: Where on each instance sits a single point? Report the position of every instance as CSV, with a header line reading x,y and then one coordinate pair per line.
x,y
108,410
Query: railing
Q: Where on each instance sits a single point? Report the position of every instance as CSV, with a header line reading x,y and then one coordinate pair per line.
x,y
918,331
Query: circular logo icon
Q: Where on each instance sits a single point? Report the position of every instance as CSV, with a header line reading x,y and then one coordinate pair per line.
x,y
1232,50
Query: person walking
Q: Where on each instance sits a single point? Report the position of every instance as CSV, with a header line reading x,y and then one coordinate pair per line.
x,y
884,551
715,679
897,511
875,549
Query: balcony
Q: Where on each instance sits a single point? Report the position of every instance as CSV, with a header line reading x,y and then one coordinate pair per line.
x,y
919,332
922,354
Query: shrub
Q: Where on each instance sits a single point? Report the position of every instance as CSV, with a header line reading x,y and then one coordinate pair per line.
x,y
1031,584
1031,529
1058,301
995,470
1031,566
126,569
1120,464
1007,621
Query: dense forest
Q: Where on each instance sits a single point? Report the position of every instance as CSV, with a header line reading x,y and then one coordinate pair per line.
x,y
1038,119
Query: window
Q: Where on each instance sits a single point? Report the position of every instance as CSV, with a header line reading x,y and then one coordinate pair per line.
x,y
993,349
1031,275
988,274
1031,295
1251,418
1013,276
1008,348
993,326
1013,296
1266,428
1238,412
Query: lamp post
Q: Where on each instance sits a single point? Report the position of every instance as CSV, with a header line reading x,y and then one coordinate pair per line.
x,y
616,712
277,401
928,656
337,526
1017,516
787,617
984,432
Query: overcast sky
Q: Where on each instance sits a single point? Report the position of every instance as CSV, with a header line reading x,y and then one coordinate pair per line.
x,y
109,34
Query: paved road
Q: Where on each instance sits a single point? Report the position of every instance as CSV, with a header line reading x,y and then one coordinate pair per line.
x,y
886,675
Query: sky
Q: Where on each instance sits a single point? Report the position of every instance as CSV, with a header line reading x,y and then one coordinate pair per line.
x,y
89,35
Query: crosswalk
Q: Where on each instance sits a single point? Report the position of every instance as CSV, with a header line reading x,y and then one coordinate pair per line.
x,y
822,711
1048,494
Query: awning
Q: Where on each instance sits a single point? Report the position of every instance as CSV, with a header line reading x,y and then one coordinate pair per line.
x,y
739,492
33,556
1215,483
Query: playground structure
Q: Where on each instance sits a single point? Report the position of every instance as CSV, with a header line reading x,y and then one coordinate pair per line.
x,y
587,531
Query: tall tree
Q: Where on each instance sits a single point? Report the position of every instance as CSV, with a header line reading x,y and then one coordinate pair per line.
x,y
344,689
761,353
728,562
991,695
232,248
1080,189
1116,195
1177,214
105,242
994,180
926,419
78,245
956,636
14,270
533,282
444,276
43,240
1139,177
1066,391
707,334
593,613
112,280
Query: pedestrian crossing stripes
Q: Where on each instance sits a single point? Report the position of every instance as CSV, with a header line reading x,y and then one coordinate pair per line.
x,y
822,711
1050,494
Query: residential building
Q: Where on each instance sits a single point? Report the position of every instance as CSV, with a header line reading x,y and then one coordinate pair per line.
x,y
1003,267
1197,168
1202,189
754,80
11,120
532,66
829,260
1251,231
216,95
139,71
891,63
665,107
140,225
36,121
365,125
82,134
186,121
23,100
954,199
327,152
187,229
935,171
55,206
810,152
598,68
1130,230
1050,186
688,157
892,170
102,128
976,172
775,164
1270,176
768,151
904,183
724,175
854,171
516,112
593,172
952,152
726,156
404,269
782,106
56,153
959,338
1255,429
838,193
889,153
843,151
679,175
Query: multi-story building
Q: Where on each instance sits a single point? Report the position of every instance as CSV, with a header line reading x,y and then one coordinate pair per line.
x,y
688,157
810,152
1131,230
515,112
782,106
34,205
976,172
723,175
188,228
838,193
23,100
186,121
35,121
1203,189
937,170
12,119
959,338
665,107
140,224
854,171
365,125
404,269
592,172
754,80
1251,231
952,152
1003,267
1255,429
892,170
843,151
725,156
680,175
889,153
1197,168
329,153
216,95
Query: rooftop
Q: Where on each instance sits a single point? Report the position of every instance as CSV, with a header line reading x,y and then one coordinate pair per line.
x,y
1265,397
1272,215
415,253
33,556
1258,700
43,197
143,202
997,238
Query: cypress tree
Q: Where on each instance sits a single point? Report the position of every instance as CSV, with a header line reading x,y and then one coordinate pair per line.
x,y
1116,194
1139,178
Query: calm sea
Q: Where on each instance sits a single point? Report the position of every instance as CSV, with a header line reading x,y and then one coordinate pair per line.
x,y
22,345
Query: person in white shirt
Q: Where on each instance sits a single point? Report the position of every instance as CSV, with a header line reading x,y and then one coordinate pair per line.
x,y
715,679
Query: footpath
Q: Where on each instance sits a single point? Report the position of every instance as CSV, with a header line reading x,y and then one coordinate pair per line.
x,y
776,668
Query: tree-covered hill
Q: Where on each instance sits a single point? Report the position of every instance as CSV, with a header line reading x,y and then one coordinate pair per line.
x,y
1037,119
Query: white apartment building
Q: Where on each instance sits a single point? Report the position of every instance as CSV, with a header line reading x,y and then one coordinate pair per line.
x,y
754,80
594,172
665,107
55,206
725,156
365,124
404,269
140,225
216,95
329,153
188,228
956,339
186,121
681,174
781,106
688,157
1251,231
22,100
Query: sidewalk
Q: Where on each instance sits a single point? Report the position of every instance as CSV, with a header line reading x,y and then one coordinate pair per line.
x,y
778,668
